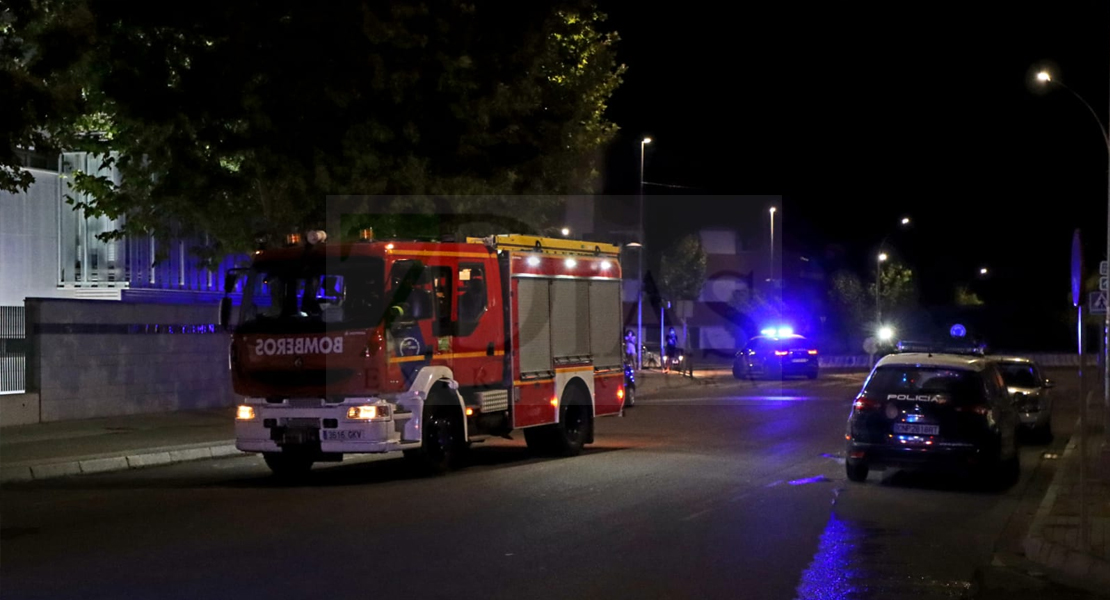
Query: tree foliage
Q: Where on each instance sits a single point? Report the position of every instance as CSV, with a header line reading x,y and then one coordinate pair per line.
x,y
850,299
682,269
898,289
240,119
855,300
966,297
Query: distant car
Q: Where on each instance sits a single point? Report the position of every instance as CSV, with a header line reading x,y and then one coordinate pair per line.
x,y
933,410
776,357
1030,389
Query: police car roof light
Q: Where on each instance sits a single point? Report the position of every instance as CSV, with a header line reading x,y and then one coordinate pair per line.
x,y
926,347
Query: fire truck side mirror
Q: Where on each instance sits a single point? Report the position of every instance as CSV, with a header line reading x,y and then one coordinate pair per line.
x,y
225,313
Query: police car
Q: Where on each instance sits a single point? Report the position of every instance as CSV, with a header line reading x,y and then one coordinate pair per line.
x,y
777,353
927,407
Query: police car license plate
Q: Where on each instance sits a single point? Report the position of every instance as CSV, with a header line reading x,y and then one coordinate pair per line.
x,y
341,435
801,360
916,429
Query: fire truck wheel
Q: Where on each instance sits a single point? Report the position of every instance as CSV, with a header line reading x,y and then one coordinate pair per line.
x,y
443,445
288,466
575,425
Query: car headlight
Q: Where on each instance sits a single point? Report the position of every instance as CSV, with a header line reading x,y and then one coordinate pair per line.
x,y
368,413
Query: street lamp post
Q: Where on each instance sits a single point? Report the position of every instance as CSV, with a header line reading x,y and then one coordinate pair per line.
x,y
771,263
640,282
878,285
1045,78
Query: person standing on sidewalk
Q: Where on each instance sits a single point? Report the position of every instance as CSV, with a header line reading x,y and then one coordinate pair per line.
x,y
630,347
672,350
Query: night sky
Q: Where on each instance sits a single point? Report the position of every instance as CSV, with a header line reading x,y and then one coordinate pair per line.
x,y
857,116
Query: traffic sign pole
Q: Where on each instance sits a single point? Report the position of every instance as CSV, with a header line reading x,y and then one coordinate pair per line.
x,y
1077,302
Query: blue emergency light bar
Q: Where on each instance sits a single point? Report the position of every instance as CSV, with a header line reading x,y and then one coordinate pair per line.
x,y
933,348
778,331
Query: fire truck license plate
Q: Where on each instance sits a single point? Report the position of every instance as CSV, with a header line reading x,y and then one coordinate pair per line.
x,y
342,435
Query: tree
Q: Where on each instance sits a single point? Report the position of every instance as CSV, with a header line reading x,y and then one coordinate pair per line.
x,y
243,120
898,290
966,297
856,302
682,269
34,94
850,299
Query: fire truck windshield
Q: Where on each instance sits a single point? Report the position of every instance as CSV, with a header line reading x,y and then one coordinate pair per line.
x,y
313,295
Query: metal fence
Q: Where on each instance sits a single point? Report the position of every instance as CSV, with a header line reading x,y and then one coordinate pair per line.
x,y
13,349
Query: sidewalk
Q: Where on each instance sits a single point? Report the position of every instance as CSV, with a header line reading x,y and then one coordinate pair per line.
x,y
48,450
1054,539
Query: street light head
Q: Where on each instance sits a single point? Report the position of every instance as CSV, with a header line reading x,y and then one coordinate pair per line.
x,y
882,256
983,271
565,231
646,141
1044,77
772,210
905,220
886,334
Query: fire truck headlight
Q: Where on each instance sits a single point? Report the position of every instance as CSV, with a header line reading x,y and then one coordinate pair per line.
x,y
367,413
245,413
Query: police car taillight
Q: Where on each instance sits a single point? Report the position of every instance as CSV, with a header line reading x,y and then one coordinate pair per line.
x,y
862,403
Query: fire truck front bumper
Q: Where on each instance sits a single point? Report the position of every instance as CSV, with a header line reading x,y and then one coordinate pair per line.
x,y
358,425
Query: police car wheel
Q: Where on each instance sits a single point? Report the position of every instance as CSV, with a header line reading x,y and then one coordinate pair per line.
x,y
856,471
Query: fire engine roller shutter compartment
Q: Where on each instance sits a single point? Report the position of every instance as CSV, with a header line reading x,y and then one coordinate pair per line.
x,y
570,312
605,329
533,305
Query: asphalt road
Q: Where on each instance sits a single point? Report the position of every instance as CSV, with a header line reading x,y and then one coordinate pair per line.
x,y
728,491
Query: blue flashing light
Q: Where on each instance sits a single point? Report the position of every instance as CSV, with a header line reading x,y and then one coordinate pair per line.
x,y
778,331
785,331
768,331
957,331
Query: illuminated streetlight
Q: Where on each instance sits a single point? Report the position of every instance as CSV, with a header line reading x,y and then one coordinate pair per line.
x,y
1044,77
640,281
886,334
905,220
565,231
771,266
883,256
983,271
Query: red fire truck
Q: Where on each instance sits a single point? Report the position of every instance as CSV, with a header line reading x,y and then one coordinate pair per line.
x,y
375,346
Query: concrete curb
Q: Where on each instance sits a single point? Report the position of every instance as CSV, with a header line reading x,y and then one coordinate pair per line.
x,y
136,459
1068,565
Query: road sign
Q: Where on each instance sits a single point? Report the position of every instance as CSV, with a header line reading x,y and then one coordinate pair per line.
x,y
1104,284
1104,268
1098,303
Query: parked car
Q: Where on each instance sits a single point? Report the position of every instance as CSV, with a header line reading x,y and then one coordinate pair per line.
x,y
1032,397
776,357
921,410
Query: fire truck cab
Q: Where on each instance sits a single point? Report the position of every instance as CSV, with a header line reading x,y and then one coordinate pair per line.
x,y
375,346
